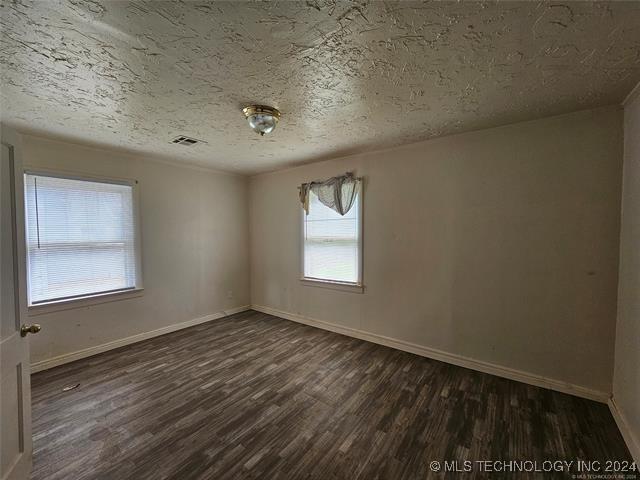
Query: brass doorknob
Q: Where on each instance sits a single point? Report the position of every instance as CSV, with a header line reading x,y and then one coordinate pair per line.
x,y
24,330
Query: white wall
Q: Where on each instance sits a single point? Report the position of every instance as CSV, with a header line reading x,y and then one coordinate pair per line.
x,y
626,381
498,245
194,248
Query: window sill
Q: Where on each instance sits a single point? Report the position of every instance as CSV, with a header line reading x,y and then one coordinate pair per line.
x,y
81,302
345,287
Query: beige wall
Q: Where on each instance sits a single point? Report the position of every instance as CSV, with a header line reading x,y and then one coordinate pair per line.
x,y
500,245
626,382
194,248
497,245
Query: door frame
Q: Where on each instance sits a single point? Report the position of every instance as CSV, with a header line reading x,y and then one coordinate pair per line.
x,y
13,141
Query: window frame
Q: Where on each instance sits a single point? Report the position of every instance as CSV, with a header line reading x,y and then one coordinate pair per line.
x,y
355,287
80,301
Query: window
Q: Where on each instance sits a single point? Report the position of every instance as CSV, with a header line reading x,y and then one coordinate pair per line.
x,y
332,243
81,238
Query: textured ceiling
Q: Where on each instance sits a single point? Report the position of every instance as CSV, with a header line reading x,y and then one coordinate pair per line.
x,y
347,76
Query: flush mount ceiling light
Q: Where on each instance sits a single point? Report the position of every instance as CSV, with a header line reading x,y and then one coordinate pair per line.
x,y
261,118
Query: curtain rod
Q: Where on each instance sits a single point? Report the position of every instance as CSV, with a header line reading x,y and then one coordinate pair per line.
x,y
359,179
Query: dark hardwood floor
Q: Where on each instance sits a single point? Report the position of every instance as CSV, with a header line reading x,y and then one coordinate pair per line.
x,y
256,397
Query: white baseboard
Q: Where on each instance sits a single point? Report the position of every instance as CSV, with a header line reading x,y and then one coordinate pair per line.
x,y
633,444
88,352
479,365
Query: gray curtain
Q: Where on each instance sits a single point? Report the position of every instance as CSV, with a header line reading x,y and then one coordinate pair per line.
x,y
337,193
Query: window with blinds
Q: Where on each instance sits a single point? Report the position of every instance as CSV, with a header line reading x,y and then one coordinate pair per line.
x,y
81,238
332,243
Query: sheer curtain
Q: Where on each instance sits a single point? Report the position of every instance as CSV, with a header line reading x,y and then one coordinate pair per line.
x,y
337,193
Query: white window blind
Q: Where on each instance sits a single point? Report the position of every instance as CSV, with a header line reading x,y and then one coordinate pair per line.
x,y
81,238
332,243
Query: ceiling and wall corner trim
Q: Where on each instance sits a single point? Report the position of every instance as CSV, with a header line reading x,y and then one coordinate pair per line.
x,y
181,162
433,140
126,153
442,356
633,443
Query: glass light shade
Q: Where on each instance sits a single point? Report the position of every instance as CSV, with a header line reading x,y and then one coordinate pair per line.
x,y
262,122
262,119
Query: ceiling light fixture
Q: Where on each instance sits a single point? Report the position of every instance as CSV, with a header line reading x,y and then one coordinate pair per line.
x,y
261,119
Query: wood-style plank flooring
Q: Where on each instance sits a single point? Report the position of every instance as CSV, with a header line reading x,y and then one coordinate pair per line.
x,y
254,396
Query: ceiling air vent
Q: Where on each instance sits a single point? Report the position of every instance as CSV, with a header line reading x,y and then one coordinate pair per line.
x,y
187,141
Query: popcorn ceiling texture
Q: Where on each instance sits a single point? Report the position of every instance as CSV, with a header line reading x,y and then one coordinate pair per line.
x,y
347,76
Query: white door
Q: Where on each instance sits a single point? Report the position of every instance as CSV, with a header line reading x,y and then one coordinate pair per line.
x,y
15,397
